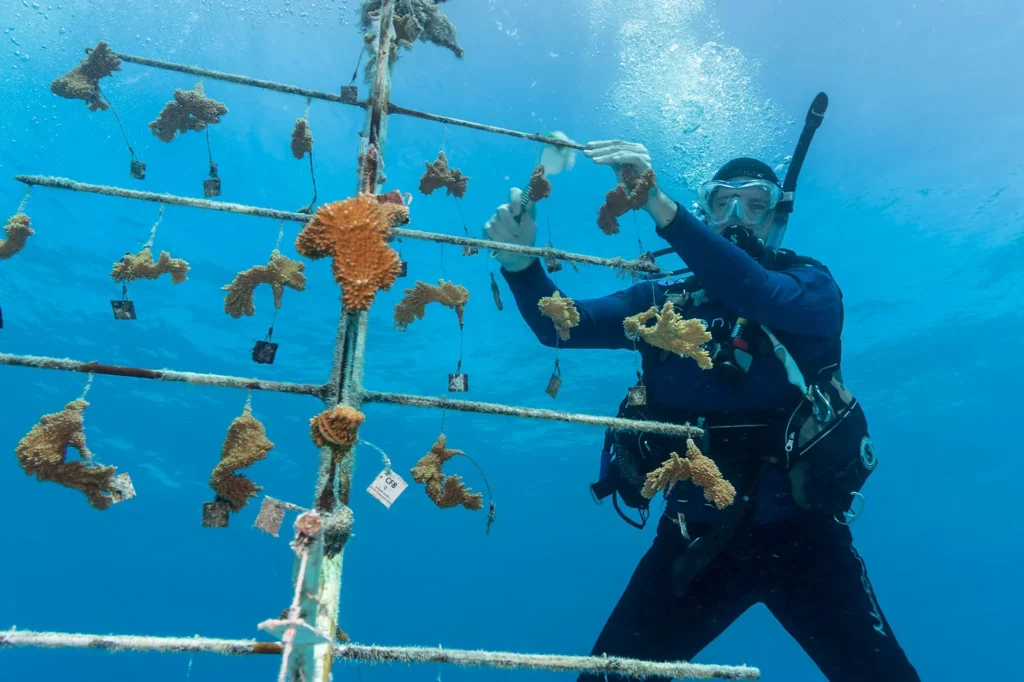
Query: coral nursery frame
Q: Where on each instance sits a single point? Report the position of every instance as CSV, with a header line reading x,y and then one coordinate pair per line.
x,y
306,650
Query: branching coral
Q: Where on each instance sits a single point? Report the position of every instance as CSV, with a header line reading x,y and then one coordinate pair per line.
x,y
413,305
630,196
540,186
696,467
302,139
671,332
43,452
438,175
354,234
445,491
83,81
414,20
246,444
141,266
279,273
561,311
17,231
189,110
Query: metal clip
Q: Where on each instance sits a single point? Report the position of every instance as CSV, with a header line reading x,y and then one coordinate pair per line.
x,y
821,405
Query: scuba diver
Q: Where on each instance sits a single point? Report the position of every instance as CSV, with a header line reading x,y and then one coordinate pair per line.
x,y
776,417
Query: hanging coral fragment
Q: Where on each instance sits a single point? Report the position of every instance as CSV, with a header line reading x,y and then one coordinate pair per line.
x,y
302,139
16,233
438,175
414,20
561,311
354,234
671,332
43,453
446,491
631,195
189,110
695,467
413,305
83,81
246,443
142,266
279,273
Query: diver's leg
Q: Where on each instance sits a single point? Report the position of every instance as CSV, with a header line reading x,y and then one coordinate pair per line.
x,y
819,591
651,623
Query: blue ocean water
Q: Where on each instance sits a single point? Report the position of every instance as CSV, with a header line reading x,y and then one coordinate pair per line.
x,y
911,194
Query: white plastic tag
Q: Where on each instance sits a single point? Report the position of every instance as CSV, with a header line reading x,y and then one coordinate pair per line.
x,y
387,487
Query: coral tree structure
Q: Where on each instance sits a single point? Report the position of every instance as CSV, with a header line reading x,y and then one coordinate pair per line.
x,y
413,304
561,311
445,491
540,186
246,444
671,332
302,139
438,175
414,20
629,196
17,231
354,234
83,81
43,452
279,273
696,467
189,110
142,266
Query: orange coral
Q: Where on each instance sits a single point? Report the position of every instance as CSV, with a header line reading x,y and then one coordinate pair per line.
x,y
445,491
142,266
438,175
17,231
671,332
354,234
413,305
396,212
698,468
539,187
302,139
628,196
339,426
245,444
561,311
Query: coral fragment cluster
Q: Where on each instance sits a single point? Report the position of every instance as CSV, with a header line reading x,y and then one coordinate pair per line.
x,y
413,304
16,233
445,491
562,311
189,110
83,81
245,444
43,452
696,467
141,266
302,139
630,195
438,175
354,234
671,332
415,20
279,273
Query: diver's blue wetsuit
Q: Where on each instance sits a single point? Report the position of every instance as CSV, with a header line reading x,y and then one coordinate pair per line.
x,y
802,566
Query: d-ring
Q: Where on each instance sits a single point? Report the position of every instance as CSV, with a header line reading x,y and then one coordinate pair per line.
x,y
852,516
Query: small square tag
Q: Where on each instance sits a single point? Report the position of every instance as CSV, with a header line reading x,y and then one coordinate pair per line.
x,y
137,170
387,487
554,383
637,395
264,352
123,310
211,187
458,383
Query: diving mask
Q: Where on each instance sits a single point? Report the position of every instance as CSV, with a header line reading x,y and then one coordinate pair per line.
x,y
745,202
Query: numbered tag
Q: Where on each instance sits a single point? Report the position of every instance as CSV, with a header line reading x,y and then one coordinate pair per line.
x,y
387,487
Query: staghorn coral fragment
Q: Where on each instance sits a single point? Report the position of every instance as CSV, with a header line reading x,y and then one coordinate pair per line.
x,y
438,175
189,110
628,196
354,234
445,491
141,266
338,426
413,304
302,139
246,444
671,332
43,452
696,467
279,273
539,187
83,81
16,233
561,311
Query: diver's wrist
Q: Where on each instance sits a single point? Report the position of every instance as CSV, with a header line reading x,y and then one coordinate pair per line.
x,y
661,208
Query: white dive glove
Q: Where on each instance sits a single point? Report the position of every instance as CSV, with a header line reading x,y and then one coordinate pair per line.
x,y
618,154
503,227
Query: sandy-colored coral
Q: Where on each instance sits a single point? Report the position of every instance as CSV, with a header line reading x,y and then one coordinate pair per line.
x,y
43,452
540,186
414,20
396,212
438,175
445,491
354,234
83,81
561,311
246,444
696,467
16,233
279,273
189,110
141,266
631,195
302,139
338,426
413,304
671,332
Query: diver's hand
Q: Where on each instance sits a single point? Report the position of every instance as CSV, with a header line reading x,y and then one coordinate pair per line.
x,y
619,155
503,227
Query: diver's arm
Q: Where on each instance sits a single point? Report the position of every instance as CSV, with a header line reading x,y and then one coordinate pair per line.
x,y
800,301
601,318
